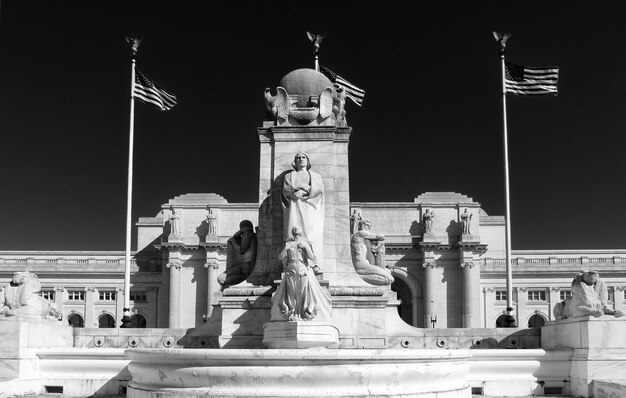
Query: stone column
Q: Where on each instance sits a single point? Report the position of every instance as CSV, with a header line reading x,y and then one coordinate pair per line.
x,y
488,303
429,293
471,285
175,294
618,297
58,299
555,297
119,305
90,322
212,285
152,297
522,298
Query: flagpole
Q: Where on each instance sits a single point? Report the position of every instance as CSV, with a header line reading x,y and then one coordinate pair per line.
x,y
129,199
510,321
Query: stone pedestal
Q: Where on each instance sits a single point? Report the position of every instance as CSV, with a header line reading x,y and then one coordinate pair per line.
x,y
300,334
19,342
599,349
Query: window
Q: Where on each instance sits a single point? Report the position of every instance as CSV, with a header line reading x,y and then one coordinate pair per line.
x,y
536,295
106,295
47,294
536,321
138,296
106,321
76,295
565,294
75,320
500,295
138,321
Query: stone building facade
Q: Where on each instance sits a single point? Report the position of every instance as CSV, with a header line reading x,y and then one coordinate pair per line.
x,y
441,279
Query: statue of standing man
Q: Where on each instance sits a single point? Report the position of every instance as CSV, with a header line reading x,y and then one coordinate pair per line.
x,y
303,205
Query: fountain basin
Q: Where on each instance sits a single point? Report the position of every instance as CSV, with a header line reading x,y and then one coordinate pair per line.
x,y
313,372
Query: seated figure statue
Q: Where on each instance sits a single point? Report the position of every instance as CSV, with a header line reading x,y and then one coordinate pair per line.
x,y
240,255
589,297
21,299
368,255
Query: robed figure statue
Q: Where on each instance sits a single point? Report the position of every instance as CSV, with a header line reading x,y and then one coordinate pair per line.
x,y
303,204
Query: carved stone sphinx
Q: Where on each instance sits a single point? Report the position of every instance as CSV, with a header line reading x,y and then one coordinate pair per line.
x,y
20,299
589,297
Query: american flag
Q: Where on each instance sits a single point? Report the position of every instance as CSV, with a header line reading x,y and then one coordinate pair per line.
x,y
150,93
353,92
524,80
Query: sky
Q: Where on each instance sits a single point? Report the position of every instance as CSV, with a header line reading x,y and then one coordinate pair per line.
x,y
432,118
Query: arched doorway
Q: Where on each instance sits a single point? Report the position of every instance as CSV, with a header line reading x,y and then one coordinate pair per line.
x,y
536,321
138,321
405,309
106,321
75,320
501,321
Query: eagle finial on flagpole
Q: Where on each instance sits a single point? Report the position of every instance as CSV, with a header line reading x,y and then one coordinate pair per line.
x,y
134,43
316,39
501,38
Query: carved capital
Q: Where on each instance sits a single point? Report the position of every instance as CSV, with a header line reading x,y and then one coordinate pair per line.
x,y
58,288
90,289
521,289
174,264
488,289
212,265
430,264
619,288
468,264
555,289
119,289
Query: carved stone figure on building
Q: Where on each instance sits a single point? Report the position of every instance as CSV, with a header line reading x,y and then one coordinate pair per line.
x,y
303,204
589,297
211,220
299,295
466,223
240,256
368,255
20,299
428,221
355,220
174,223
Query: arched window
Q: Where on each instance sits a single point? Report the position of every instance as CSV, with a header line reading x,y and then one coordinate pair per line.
x,y
501,321
405,309
106,321
76,320
536,321
138,321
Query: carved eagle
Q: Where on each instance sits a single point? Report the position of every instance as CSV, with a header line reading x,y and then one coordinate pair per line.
x,y
277,105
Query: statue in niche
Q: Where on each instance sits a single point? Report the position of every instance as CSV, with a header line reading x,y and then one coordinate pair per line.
x,y
210,220
355,220
589,297
428,221
466,221
368,255
303,205
240,255
299,295
21,299
174,223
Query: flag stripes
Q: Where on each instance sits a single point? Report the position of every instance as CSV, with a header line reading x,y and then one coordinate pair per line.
x,y
524,80
353,92
150,93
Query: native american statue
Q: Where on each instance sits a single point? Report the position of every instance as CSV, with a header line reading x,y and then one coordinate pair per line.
x,y
589,297
21,299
